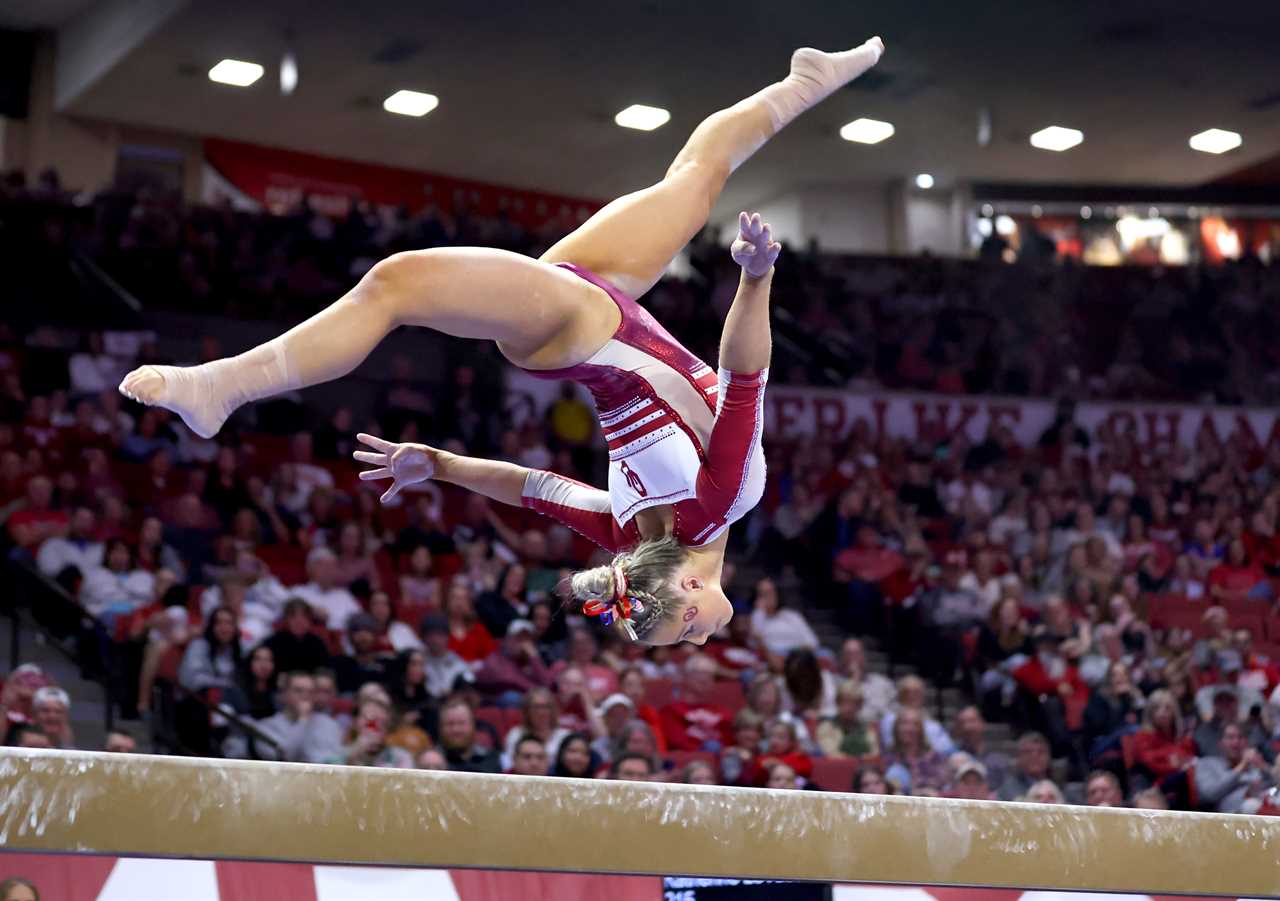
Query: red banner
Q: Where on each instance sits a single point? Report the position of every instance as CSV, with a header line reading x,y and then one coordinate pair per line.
x,y
279,179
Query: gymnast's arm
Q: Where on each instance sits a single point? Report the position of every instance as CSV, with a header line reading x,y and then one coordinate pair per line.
x,y
582,508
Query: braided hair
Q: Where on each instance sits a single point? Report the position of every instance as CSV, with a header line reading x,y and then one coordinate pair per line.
x,y
648,572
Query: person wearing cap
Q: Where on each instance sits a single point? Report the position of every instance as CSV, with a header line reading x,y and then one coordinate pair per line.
x,y
616,711
442,666
514,668
365,663
1224,701
969,778
51,707
334,603
19,689
1234,779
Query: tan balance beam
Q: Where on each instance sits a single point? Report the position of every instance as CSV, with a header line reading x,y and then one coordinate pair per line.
x,y
218,809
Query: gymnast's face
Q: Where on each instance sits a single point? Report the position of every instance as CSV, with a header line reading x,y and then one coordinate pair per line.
x,y
706,610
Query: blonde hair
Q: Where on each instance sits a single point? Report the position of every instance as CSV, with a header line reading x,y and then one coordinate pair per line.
x,y
1161,698
649,569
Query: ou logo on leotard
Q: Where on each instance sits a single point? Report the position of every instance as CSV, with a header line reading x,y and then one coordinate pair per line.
x,y
633,479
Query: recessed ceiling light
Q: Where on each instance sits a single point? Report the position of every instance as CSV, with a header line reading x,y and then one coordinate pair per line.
x,y
924,181
410,103
1056,137
235,72
1216,140
642,118
1005,225
867,131
1086,212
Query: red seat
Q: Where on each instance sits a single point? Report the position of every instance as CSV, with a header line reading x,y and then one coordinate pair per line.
x,y
834,774
494,716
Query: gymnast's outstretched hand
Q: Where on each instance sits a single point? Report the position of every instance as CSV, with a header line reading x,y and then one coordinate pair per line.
x,y
405,464
754,249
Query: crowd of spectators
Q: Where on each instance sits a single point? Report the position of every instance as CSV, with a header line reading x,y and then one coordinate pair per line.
x,y
924,323
1113,602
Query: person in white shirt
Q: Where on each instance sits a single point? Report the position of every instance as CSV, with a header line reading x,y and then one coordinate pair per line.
x,y
878,691
76,550
911,696
307,476
116,588
323,592
982,579
777,628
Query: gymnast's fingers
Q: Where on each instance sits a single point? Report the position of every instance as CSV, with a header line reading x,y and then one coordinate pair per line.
x,y
366,457
391,493
377,443
369,474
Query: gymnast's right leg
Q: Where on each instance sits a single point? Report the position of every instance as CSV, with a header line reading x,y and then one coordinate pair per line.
x,y
542,317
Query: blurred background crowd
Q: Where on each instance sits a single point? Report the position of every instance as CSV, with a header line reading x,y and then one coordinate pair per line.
x,y
1080,618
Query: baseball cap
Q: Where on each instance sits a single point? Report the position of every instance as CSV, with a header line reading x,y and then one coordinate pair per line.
x,y
614,699
971,766
520,625
362,622
956,558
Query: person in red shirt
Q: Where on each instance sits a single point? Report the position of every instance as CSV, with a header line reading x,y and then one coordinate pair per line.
x,y
468,638
735,649
632,684
1056,691
1162,746
36,519
1235,578
692,723
782,748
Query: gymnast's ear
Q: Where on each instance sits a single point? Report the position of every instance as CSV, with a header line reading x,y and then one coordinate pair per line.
x,y
692,583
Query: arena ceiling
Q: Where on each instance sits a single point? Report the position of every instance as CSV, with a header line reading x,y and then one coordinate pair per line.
x,y
528,89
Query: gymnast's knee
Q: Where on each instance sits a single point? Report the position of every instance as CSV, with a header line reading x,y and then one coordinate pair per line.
x,y
702,177
395,284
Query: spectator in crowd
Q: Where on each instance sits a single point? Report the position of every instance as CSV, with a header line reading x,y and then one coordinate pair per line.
x,y
51,710
458,741
392,634
910,761
68,558
947,613
782,747
530,757
118,587
697,772
969,780
912,696
847,734
1004,644
779,629
15,888
540,719
737,760
468,638
27,735
514,668
1235,779
120,742
782,775
1044,792
154,553
808,689
1114,711
419,584
366,741
1162,746
213,659
632,768
616,713
870,780
632,684
506,603
575,758
304,734
443,667
692,721
328,597
584,651
1102,789
878,691
295,647
1225,699
357,570
764,696
364,663
1048,683
1150,799
34,518
970,732
259,683
431,759
1030,766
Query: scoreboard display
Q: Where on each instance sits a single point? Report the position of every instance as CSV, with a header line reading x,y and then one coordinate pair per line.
x,y
689,888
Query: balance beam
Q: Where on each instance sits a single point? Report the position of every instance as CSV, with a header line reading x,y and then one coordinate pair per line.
x,y
142,806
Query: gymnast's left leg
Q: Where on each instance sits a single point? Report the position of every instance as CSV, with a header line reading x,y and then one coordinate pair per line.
x,y
633,239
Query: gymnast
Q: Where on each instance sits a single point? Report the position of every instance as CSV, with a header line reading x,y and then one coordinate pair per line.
x,y
685,459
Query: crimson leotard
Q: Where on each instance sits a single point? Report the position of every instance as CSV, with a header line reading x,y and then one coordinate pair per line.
x,y
678,435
